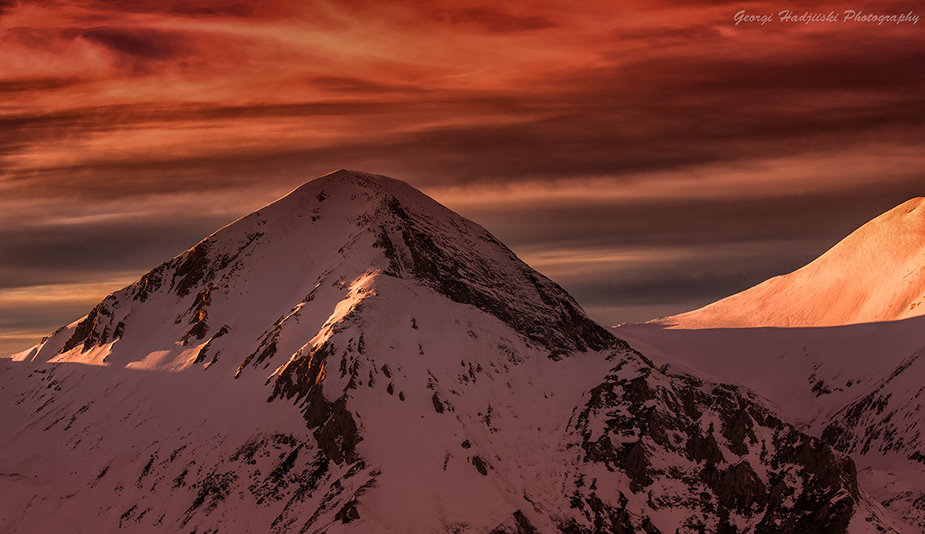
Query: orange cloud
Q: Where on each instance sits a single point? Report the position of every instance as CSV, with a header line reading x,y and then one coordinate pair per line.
x,y
106,104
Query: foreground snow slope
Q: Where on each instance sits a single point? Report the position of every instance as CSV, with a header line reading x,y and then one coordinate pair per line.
x,y
356,357
837,345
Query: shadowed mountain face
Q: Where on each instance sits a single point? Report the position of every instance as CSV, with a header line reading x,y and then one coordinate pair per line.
x,y
357,357
837,345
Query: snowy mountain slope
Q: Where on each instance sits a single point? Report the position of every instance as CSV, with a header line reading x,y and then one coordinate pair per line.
x,y
356,357
875,274
883,428
808,373
856,384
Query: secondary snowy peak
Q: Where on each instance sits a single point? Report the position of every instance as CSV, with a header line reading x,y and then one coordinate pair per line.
x,y
875,274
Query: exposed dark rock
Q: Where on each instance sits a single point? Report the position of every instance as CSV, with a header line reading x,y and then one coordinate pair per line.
x,y
518,524
198,331
119,331
103,472
265,350
214,488
480,465
438,406
605,518
180,480
636,466
603,451
333,423
204,351
148,284
198,315
127,515
91,330
337,435
739,488
648,527
821,388
146,469
278,473
704,449
737,429
348,513
192,269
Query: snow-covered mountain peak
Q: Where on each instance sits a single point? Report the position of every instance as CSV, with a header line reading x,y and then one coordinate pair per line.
x,y
875,274
356,357
345,183
316,243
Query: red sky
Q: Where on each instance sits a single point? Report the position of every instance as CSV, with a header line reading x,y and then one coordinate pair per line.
x,y
651,157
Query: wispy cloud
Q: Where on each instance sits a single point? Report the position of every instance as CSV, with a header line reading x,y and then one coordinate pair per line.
x,y
628,126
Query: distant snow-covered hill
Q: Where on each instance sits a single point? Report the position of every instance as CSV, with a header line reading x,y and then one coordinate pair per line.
x,y
875,274
837,345
356,357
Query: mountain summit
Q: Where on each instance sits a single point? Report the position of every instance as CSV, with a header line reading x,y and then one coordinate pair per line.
x,y
342,229
356,357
